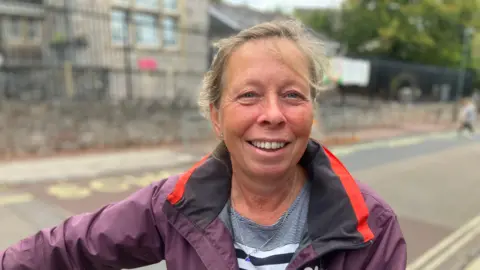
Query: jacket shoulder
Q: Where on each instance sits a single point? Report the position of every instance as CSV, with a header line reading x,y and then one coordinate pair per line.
x,y
162,189
379,210
388,250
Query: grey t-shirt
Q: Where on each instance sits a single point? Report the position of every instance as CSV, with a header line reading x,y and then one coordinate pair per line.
x,y
287,235
469,113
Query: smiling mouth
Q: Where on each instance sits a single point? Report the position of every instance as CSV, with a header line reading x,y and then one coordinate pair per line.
x,y
268,146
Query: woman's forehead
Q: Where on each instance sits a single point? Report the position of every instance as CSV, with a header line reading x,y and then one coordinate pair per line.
x,y
254,57
280,48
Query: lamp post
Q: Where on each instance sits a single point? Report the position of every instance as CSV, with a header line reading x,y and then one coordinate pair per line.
x,y
466,39
127,54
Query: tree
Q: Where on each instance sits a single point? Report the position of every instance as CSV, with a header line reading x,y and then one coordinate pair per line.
x,y
422,31
322,20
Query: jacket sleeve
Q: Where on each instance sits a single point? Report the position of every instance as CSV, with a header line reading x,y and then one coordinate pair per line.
x,y
119,235
389,250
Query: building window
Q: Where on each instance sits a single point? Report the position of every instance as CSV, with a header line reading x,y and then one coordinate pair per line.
x,y
34,30
15,28
170,4
146,29
170,32
22,31
119,27
150,24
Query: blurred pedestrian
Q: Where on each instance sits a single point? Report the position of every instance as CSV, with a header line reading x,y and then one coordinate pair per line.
x,y
467,117
268,197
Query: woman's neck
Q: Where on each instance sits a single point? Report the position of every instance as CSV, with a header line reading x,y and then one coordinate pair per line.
x,y
264,201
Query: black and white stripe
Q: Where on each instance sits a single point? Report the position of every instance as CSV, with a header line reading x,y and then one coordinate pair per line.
x,y
275,259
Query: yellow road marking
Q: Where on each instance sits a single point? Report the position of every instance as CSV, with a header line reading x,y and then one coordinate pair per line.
x,y
68,191
148,179
398,142
343,151
16,198
444,135
109,185
3,188
72,191
405,141
453,249
474,265
449,244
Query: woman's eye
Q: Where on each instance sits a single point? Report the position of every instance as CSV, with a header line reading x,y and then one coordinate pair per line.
x,y
248,95
292,95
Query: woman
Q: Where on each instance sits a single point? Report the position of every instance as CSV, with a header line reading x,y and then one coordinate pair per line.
x,y
268,197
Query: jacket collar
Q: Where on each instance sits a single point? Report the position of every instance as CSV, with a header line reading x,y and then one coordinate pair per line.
x,y
337,215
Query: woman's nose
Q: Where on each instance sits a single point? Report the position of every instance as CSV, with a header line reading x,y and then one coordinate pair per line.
x,y
272,112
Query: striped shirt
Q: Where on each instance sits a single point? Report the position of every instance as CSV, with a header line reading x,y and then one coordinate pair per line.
x,y
275,259
287,235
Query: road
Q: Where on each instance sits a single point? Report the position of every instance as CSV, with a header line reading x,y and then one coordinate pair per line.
x,y
431,182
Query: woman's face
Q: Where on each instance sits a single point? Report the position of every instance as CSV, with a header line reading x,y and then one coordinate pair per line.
x,y
266,113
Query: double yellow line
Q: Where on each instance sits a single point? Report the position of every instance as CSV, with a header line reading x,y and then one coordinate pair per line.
x,y
448,247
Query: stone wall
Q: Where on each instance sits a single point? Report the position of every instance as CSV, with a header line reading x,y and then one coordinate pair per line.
x,y
386,115
34,128
45,129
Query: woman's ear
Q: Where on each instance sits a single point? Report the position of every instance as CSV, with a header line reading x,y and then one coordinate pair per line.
x,y
215,118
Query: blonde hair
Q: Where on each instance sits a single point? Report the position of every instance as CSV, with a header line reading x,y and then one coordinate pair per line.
x,y
293,30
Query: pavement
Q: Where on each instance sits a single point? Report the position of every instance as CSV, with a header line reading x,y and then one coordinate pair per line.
x,y
100,164
429,180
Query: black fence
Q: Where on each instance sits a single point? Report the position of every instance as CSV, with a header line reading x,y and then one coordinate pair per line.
x,y
47,83
435,83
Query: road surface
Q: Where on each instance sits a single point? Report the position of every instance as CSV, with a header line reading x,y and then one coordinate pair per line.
x,y
431,181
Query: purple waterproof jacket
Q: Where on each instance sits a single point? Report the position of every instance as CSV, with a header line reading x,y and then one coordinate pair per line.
x,y
176,220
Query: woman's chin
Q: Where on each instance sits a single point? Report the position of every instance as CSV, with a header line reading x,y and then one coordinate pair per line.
x,y
269,170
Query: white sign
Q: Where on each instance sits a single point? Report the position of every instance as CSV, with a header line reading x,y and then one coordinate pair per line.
x,y
350,71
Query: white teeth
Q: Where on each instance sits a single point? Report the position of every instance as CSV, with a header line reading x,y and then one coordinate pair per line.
x,y
268,145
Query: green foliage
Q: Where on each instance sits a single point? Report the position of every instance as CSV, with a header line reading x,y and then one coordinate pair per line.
x,y
422,31
321,20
